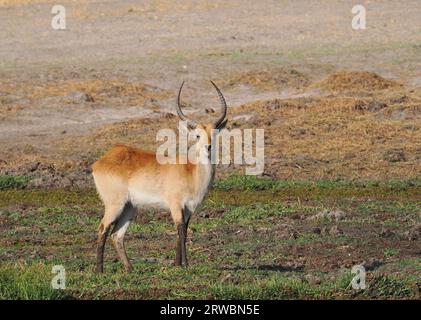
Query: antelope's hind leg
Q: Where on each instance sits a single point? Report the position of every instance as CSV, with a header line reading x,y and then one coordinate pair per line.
x,y
111,214
118,232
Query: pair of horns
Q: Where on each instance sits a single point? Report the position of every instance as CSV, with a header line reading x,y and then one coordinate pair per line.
x,y
193,123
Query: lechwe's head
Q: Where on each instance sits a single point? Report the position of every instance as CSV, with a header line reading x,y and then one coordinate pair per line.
x,y
204,133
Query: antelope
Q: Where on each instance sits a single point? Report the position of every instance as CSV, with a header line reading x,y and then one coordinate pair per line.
x,y
128,178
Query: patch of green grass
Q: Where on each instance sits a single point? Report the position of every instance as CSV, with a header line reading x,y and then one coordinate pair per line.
x,y
242,189
152,227
8,182
280,286
27,282
397,208
387,286
413,262
249,182
401,184
48,224
256,212
49,197
390,252
206,281
245,182
252,215
391,223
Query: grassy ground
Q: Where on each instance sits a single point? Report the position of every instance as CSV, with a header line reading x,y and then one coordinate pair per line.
x,y
254,239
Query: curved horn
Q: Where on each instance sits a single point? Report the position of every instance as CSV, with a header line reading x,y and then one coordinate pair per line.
x,y
223,105
178,109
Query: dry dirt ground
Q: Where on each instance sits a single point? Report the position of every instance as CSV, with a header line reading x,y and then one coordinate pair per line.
x,y
336,104
64,94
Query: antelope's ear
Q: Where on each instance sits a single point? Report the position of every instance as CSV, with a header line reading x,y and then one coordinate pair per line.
x,y
222,125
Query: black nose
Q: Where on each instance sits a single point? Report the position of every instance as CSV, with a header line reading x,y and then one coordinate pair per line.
x,y
209,147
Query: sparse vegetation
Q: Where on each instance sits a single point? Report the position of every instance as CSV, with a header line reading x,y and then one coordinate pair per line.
x,y
27,282
13,181
265,247
346,80
244,182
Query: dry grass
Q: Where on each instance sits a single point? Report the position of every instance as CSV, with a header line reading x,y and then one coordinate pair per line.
x,y
268,79
368,136
97,88
346,80
311,138
320,138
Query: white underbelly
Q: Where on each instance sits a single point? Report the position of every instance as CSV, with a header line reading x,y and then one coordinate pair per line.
x,y
194,203
145,199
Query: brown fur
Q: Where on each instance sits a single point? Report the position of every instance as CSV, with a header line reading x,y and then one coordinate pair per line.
x,y
130,176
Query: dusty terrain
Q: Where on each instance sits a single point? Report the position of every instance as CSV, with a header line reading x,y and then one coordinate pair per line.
x,y
61,92
341,111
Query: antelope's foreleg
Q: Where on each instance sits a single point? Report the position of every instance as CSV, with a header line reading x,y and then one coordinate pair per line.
x,y
181,254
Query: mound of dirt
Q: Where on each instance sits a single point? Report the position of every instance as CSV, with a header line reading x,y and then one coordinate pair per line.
x,y
356,81
338,135
273,79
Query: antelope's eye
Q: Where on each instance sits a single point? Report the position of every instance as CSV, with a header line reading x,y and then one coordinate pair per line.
x,y
198,136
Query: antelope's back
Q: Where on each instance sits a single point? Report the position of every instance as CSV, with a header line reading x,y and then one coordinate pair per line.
x,y
123,161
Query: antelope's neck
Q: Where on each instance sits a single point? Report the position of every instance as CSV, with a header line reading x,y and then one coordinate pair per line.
x,y
204,175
